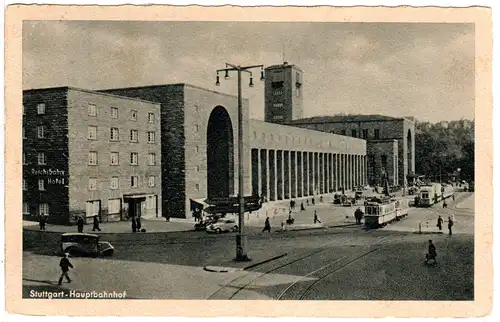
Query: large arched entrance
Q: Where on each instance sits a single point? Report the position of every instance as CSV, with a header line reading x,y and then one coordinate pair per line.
x,y
220,154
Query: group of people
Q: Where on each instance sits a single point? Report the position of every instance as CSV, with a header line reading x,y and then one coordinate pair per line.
x,y
80,223
450,224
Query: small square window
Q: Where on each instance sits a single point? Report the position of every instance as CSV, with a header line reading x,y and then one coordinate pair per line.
x,y
92,110
41,184
134,136
92,132
151,181
114,134
114,183
115,158
133,115
152,159
151,117
92,183
134,181
196,128
196,149
41,131
92,158
41,158
197,187
114,113
134,157
151,137
40,108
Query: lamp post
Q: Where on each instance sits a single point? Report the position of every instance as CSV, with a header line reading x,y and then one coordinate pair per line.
x,y
241,253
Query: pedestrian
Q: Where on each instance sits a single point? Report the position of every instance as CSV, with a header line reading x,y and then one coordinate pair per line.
x,y
302,206
79,224
440,223
321,199
432,254
358,214
96,224
445,205
44,221
167,218
316,219
40,221
291,204
453,197
65,264
267,226
307,202
313,202
450,224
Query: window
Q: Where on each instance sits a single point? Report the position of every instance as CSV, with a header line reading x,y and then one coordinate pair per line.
x,y
92,110
342,132
151,116
297,91
41,131
297,78
134,156
376,134
196,127
151,137
133,115
134,181
114,206
40,108
114,183
41,184
24,133
151,181
25,184
26,208
354,133
92,158
278,91
43,209
197,187
152,159
197,169
41,157
92,208
92,132
277,105
114,113
365,133
134,136
115,158
196,149
92,183
277,117
114,134
24,159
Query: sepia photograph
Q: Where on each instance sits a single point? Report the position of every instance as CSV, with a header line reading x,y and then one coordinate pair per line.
x,y
248,160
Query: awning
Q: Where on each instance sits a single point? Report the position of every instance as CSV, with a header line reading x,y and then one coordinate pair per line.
x,y
136,196
198,203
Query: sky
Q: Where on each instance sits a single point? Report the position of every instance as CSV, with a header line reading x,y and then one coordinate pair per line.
x,y
394,69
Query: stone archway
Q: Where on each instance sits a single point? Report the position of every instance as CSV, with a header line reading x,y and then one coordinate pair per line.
x,y
220,154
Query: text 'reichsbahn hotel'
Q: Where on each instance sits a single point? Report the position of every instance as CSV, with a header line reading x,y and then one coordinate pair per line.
x,y
163,149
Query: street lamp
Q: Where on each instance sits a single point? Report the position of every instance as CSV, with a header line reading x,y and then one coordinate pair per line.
x,y
241,254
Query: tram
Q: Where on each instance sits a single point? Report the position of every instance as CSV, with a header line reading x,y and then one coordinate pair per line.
x,y
380,214
430,194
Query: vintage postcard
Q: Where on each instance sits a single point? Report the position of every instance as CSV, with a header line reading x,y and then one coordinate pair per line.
x,y
232,161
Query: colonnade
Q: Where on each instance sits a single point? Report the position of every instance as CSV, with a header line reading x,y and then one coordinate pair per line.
x,y
282,174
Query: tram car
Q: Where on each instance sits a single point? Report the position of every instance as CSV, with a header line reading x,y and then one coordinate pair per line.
x,y
430,194
380,214
448,191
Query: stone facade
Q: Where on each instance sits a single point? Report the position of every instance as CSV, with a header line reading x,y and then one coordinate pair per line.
x,y
77,147
382,157
370,128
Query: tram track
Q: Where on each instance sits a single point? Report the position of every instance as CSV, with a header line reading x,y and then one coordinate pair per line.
x,y
230,291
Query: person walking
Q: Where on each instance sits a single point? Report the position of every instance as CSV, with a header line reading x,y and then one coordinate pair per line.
x,y
40,221
450,224
79,224
267,226
313,201
307,202
431,254
358,214
445,205
302,207
321,199
316,219
440,223
65,264
96,224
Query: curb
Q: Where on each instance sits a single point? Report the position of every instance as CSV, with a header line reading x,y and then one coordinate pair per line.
x,y
220,269
264,261
301,229
429,233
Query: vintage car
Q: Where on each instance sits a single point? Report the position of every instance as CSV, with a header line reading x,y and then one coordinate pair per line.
x,y
82,244
222,225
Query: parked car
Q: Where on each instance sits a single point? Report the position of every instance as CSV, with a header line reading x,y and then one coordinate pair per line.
x,y
222,225
83,244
